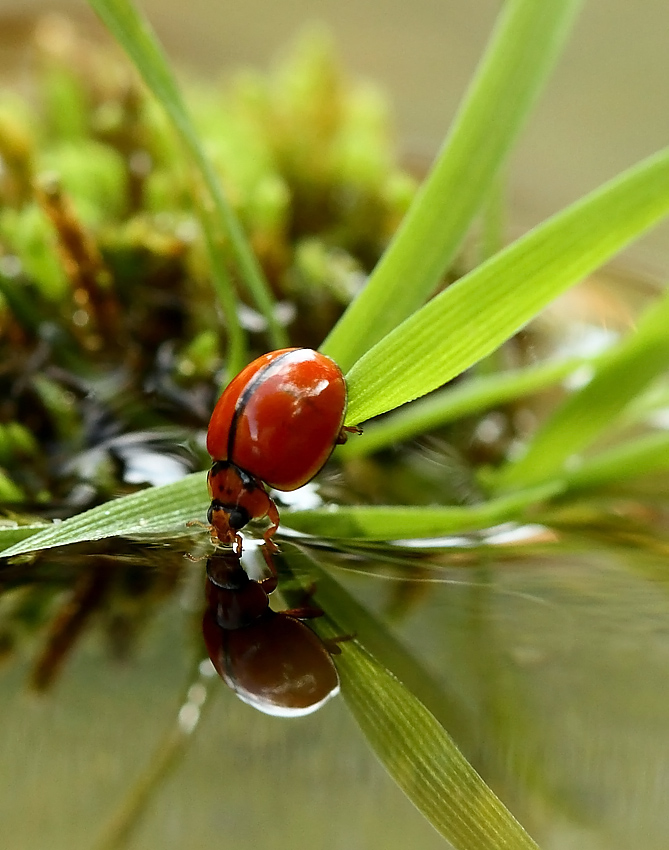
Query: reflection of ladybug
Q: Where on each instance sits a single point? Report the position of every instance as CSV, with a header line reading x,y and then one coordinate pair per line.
x,y
271,659
276,423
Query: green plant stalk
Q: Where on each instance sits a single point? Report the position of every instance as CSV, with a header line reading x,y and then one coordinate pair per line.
x,y
473,396
136,37
237,349
423,759
310,571
522,50
164,511
594,409
655,400
474,316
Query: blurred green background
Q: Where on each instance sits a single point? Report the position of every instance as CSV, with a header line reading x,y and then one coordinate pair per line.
x,y
603,110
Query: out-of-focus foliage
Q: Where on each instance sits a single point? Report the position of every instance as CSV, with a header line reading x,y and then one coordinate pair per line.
x,y
107,332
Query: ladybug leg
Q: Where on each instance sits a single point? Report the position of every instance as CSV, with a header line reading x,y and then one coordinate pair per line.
x,y
274,518
345,431
306,611
269,584
310,612
196,523
332,644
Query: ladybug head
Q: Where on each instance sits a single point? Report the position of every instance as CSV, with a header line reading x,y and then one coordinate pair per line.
x,y
226,520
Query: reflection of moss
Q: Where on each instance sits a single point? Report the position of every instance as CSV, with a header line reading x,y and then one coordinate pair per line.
x,y
105,294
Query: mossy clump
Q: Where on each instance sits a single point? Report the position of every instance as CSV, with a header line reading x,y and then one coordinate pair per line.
x,y
107,332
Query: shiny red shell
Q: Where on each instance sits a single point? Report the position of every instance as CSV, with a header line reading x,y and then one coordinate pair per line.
x,y
281,417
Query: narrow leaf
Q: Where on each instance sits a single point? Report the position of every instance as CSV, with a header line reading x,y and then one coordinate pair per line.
x,y
446,703
588,413
424,761
9,535
475,315
394,522
632,459
135,35
413,746
521,53
152,512
472,396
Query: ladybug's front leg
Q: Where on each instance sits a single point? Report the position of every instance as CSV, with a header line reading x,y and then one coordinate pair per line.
x,y
275,519
345,431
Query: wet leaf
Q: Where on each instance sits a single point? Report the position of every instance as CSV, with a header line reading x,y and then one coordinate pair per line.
x,y
157,511
413,746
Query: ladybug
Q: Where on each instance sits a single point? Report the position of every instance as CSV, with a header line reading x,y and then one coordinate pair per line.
x,y
271,659
275,425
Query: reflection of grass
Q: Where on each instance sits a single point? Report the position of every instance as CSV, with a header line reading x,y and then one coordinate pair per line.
x,y
65,274
172,746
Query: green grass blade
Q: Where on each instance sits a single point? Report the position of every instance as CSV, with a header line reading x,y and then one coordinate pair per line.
x,y
412,745
152,512
444,701
135,35
632,459
521,53
587,414
9,535
424,761
474,316
395,522
472,396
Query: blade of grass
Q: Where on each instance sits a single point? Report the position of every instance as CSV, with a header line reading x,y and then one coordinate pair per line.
x,y
423,759
156,511
632,459
483,309
491,238
352,618
395,522
119,831
588,413
135,35
414,748
14,534
648,405
522,50
472,396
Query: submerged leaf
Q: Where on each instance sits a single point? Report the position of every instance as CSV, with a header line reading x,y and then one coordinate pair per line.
x,y
412,745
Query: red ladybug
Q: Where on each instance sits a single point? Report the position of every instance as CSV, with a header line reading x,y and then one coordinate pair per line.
x,y
270,659
276,424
